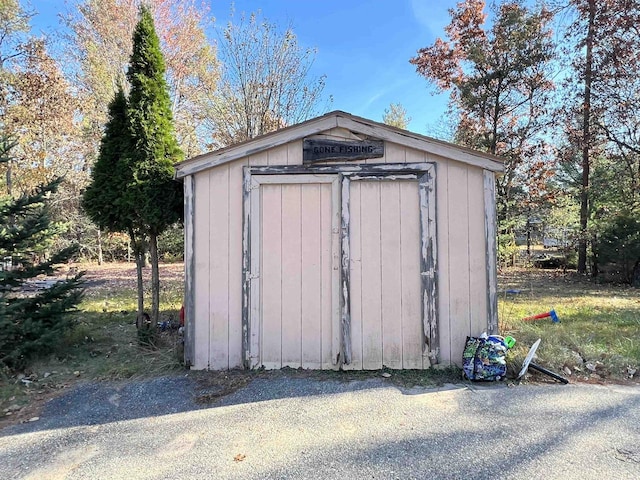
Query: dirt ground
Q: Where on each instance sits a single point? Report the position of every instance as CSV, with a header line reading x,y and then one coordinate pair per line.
x,y
117,276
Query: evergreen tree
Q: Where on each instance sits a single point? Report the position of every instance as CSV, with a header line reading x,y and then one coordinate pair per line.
x,y
31,324
154,199
104,200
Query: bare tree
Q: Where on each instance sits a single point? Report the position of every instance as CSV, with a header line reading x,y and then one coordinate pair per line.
x,y
265,82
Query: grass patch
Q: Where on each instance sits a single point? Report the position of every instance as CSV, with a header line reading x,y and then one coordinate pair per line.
x,y
598,337
103,345
599,331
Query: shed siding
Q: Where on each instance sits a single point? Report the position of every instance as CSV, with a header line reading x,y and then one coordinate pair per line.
x,y
462,300
386,322
234,287
201,284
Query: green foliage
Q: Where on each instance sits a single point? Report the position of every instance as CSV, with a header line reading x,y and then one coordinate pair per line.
x,y
507,248
153,196
171,244
103,198
619,244
31,324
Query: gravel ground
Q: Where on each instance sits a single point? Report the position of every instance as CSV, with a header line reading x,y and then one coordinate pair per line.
x,y
304,428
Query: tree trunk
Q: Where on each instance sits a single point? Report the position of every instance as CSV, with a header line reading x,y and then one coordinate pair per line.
x,y
586,141
9,178
137,253
100,258
155,279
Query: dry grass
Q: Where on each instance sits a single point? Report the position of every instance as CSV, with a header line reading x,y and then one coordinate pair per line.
x,y
599,323
600,327
103,346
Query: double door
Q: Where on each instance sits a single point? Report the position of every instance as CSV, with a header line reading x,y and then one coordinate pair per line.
x,y
334,271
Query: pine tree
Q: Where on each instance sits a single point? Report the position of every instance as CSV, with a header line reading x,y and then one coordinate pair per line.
x,y
153,196
31,324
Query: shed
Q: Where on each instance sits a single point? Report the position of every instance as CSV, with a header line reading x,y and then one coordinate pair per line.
x,y
335,243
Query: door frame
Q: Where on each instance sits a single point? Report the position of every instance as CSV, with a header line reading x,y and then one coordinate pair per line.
x,y
340,177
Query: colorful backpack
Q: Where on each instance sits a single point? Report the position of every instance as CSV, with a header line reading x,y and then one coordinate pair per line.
x,y
484,358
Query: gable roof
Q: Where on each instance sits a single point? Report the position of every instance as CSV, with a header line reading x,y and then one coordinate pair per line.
x,y
343,120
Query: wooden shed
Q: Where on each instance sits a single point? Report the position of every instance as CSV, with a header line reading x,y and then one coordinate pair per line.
x,y
335,243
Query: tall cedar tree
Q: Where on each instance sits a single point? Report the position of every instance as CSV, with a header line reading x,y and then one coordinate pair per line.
x,y
104,199
498,79
31,325
153,198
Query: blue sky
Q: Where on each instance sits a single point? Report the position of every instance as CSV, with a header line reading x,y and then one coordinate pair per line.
x,y
363,48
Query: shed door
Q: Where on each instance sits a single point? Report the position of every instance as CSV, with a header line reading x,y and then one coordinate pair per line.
x,y
294,255
385,242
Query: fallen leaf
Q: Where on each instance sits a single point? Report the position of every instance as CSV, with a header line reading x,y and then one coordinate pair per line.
x,y
239,457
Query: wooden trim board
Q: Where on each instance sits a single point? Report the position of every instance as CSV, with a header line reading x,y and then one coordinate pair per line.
x,y
189,268
491,251
338,119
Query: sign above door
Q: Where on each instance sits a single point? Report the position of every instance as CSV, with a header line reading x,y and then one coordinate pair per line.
x,y
318,150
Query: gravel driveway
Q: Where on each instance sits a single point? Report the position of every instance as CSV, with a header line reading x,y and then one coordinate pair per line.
x,y
305,428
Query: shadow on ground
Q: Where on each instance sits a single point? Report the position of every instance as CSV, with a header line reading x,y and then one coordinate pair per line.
x,y
98,403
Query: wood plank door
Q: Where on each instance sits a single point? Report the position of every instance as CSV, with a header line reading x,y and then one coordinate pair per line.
x,y
294,252
385,275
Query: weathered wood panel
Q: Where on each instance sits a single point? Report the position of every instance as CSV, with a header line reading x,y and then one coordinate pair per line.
x,y
296,233
219,267
391,275
189,271
458,219
202,266
311,271
235,262
386,313
355,277
492,250
253,323
371,293
429,264
271,276
278,155
322,149
345,317
411,314
395,153
477,253
259,159
291,275
330,222
294,153
442,198
414,156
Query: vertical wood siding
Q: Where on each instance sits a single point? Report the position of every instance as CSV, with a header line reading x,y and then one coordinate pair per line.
x,y
386,319
296,299
189,271
202,246
217,269
459,277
